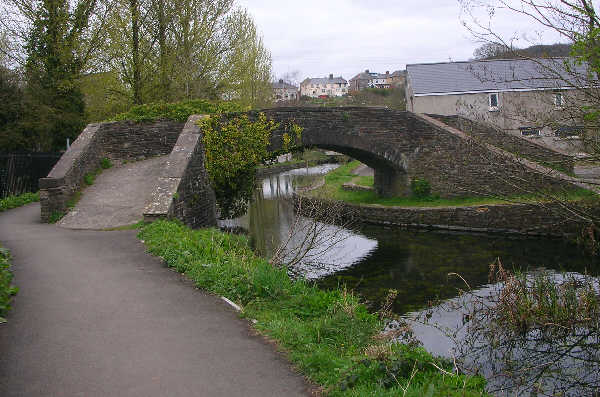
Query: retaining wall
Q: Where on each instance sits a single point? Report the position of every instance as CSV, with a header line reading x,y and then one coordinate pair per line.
x,y
546,219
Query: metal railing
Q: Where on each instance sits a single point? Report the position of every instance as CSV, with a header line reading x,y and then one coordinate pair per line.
x,y
20,172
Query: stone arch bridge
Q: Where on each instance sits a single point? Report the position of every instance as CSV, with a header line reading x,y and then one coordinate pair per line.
x,y
399,146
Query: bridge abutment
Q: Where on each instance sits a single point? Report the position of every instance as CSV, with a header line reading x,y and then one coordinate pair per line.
x,y
391,183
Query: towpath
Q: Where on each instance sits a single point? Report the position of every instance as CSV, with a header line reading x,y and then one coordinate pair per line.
x,y
98,316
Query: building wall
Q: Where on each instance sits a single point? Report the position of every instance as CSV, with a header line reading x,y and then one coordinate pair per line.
x,y
285,94
314,90
516,110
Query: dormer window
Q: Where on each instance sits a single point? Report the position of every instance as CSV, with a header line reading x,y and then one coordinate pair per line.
x,y
493,102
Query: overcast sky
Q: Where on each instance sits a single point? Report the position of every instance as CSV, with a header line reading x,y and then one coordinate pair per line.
x,y
344,37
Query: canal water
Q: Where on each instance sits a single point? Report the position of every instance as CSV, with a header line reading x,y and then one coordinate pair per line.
x,y
372,260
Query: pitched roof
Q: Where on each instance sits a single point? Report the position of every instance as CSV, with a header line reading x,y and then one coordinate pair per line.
x,y
492,75
325,80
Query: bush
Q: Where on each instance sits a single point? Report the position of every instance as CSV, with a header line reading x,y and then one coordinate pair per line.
x,y
420,188
6,289
18,201
178,111
105,163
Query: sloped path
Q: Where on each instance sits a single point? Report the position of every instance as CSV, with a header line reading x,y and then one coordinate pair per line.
x,y
117,197
97,316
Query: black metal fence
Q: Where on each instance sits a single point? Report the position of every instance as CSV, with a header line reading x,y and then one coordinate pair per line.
x,y
20,172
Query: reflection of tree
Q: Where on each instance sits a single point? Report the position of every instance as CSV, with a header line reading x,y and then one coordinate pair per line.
x,y
537,333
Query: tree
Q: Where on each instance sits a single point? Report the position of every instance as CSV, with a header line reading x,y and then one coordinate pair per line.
x,y
52,41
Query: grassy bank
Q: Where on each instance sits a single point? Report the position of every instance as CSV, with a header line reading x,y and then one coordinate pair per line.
x,y
328,335
335,179
11,202
7,290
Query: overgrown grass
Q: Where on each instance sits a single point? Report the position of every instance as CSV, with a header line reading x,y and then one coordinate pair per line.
x,y
335,179
178,111
7,290
10,202
329,335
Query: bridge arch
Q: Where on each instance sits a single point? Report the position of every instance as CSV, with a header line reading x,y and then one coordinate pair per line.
x,y
358,132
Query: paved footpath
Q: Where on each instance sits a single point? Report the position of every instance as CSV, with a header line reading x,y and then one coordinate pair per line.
x,y
97,316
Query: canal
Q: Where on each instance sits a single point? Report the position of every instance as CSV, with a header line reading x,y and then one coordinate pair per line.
x,y
419,265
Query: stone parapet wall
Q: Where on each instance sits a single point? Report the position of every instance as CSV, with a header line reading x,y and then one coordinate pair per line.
x,y
509,142
183,191
401,146
129,140
119,141
547,219
67,175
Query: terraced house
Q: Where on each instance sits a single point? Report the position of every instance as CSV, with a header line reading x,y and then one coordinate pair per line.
x,y
324,87
524,97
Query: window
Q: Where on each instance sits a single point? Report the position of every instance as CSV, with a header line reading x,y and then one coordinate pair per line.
x,y
493,102
529,131
568,131
558,100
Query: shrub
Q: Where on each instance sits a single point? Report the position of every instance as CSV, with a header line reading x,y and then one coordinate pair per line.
x,y
6,288
89,178
178,111
105,163
18,201
420,188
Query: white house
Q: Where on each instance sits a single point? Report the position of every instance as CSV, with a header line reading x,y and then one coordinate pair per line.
x,y
324,87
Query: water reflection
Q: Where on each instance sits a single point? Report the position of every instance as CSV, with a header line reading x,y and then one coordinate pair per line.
x,y
552,360
374,259
271,216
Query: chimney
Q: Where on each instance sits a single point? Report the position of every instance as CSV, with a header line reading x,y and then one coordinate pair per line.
x,y
280,81
367,71
331,76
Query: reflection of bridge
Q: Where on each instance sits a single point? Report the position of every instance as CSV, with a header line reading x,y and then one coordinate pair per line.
x,y
399,146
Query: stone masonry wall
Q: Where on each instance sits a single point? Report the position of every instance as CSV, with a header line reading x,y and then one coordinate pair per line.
x,y
67,175
402,142
128,140
510,143
123,140
532,219
183,191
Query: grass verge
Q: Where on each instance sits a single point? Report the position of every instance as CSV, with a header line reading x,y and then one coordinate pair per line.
x,y
11,202
7,290
329,335
332,189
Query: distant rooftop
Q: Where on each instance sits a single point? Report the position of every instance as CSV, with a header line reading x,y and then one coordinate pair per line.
x,y
491,75
325,80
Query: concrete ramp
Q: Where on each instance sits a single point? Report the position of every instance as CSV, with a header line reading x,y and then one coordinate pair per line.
x,y
118,196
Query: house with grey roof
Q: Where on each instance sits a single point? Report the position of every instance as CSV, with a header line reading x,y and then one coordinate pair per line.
x,y
283,91
525,97
324,87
